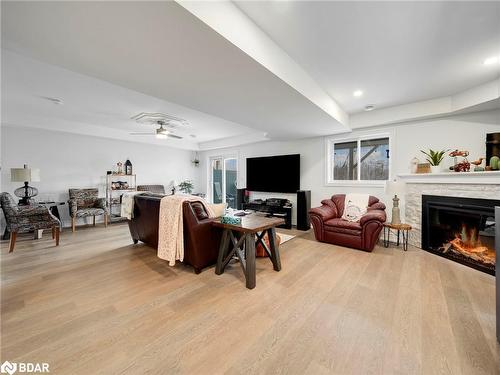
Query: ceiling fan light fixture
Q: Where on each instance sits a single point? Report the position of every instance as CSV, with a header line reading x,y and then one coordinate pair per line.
x,y
162,130
161,136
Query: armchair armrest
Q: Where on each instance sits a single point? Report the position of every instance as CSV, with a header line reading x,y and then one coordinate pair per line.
x,y
324,212
100,203
378,215
73,207
32,210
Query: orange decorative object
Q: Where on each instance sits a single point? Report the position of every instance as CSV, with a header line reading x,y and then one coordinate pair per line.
x,y
456,153
259,249
478,162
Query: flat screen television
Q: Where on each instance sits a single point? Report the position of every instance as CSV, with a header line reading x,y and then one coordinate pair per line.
x,y
274,174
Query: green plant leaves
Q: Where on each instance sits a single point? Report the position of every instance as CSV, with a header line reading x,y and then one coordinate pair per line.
x,y
434,157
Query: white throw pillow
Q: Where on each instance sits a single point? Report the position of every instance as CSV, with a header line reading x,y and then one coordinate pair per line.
x,y
355,206
218,209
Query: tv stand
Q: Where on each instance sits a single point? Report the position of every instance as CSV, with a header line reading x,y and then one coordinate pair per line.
x,y
274,208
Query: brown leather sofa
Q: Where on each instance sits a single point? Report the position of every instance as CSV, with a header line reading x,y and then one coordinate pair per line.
x,y
331,228
201,238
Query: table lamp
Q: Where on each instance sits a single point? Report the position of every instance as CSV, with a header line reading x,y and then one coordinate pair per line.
x,y
393,188
25,175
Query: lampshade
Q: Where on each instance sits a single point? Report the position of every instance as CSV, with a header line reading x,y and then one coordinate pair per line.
x,y
24,174
394,187
173,183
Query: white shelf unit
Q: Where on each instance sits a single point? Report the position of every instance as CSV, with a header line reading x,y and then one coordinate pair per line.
x,y
113,196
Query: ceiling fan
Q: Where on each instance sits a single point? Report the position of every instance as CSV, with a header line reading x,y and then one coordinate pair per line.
x,y
161,132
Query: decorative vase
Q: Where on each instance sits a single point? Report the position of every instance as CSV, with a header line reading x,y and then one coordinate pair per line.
x,y
495,163
396,214
414,165
435,169
119,168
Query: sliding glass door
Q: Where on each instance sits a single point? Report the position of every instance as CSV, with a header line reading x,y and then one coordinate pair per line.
x,y
223,180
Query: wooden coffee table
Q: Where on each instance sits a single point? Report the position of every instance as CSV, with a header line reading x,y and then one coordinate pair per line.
x,y
241,240
402,228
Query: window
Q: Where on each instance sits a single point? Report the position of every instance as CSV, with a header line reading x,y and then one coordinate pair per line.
x,y
363,159
223,179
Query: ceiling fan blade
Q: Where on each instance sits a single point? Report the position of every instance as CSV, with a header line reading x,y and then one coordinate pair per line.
x,y
173,136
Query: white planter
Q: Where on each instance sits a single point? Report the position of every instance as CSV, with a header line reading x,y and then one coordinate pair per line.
x,y
436,169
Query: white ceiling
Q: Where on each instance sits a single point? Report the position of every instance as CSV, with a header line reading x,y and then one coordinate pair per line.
x,y
94,106
396,52
162,50
111,60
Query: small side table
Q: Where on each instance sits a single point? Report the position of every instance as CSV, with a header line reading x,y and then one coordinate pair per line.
x,y
240,240
398,229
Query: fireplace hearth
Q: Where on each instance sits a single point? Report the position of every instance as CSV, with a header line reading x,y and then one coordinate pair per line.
x,y
460,229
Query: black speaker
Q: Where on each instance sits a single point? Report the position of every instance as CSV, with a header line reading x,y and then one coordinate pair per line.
x,y
303,207
240,198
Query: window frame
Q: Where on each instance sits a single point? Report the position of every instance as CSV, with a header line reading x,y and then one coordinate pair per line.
x,y
329,165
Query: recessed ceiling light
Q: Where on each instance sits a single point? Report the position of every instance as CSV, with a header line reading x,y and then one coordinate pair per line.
x,y
357,93
491,60
369,107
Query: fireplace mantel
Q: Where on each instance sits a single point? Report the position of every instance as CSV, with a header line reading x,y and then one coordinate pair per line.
x,y
490,177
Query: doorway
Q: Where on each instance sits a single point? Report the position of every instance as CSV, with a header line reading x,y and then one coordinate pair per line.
x,y
223,180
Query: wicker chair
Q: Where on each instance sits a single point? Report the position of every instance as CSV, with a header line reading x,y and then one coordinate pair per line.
x,y
23,219
84,203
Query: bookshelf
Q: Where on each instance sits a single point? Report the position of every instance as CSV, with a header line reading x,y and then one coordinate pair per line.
x,y
114,192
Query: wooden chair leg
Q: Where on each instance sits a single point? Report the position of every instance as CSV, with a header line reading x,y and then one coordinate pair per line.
x,y
73,219
12,242
93,220
53,232
56,231
105,220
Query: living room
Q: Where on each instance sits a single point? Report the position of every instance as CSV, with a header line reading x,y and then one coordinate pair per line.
x,y
266,187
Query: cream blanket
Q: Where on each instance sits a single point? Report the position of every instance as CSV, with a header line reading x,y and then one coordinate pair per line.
x,y
355,206
127,206
171,229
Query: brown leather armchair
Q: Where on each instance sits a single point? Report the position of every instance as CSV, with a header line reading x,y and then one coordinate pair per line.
x,y
201,238
331,228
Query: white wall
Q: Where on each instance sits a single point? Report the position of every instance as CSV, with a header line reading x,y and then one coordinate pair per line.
x,y
67,160
465,132
76,161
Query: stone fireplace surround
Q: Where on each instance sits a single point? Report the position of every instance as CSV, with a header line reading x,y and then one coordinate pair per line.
x,y
415,190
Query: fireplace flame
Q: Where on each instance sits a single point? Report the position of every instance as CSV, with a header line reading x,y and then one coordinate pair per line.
x,y
468,244
468,239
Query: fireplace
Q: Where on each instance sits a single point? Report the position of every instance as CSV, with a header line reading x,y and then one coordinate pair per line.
x,y
460,229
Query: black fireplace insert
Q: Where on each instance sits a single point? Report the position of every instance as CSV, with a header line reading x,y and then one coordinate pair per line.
x,y
461,229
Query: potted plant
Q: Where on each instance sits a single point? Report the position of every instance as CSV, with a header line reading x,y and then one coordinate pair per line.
x,y
434,158
186,186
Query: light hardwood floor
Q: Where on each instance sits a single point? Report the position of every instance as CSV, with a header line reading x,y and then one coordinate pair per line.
x,y
98,304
